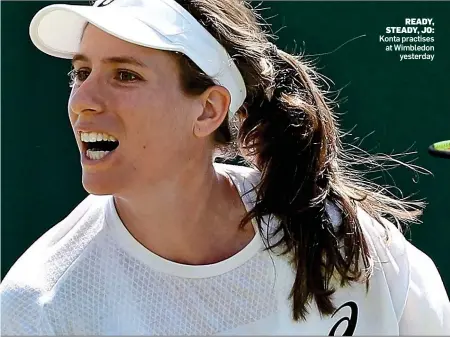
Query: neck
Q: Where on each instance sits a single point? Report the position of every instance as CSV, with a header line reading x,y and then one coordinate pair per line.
x,y
196,208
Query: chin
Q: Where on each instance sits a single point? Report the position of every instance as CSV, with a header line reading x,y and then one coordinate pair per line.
x,y
99,185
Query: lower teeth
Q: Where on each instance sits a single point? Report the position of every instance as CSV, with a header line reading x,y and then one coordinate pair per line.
x,y
96,155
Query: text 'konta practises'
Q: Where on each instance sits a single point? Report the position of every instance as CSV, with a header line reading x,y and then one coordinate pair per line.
x,y
413,40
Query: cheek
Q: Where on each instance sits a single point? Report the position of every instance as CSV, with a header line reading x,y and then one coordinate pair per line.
x,y
160,117
160,129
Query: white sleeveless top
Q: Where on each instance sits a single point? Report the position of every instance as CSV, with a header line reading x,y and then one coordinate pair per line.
x,y
88,276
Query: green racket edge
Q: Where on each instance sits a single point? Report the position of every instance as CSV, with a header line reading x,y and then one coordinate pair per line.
x,y
440,149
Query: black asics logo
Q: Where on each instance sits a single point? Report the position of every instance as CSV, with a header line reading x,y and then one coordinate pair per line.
x,y
351,320
103,3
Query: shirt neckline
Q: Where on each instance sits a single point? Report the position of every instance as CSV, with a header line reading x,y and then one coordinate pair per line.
x,y
158,263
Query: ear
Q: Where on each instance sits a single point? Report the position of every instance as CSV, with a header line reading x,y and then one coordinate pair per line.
x,y
216,102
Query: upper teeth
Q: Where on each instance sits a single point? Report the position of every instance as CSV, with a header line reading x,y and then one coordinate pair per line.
x,y
96,137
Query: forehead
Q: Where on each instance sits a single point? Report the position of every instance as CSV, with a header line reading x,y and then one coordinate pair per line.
x,y
95,39
97,45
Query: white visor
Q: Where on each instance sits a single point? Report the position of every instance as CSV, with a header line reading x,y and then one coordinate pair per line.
x,y
159,24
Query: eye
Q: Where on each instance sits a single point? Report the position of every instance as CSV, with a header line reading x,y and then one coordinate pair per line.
x,y
77,75
127,76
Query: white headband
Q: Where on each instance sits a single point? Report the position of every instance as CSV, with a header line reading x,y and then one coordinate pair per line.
x,y
159,24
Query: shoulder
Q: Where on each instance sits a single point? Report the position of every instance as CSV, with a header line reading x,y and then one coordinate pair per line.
x,y
385,239
246,179
244,172
415,285
72,233
388,254
388,248
22,309
25,287
427,309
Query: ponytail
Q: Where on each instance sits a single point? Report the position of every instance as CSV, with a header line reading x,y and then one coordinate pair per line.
x,y
290,130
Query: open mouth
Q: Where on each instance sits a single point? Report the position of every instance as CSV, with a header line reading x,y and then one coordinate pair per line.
x,y
98,145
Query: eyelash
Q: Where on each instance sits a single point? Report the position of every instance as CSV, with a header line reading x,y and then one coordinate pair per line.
x,y
75,73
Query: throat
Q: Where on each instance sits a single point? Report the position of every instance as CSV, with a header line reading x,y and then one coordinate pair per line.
x,y
171,225
193,244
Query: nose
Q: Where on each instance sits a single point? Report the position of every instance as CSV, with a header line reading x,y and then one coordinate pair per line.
x,y
86,98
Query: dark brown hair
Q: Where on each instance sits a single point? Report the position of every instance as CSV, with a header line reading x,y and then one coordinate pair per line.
x,y
288,130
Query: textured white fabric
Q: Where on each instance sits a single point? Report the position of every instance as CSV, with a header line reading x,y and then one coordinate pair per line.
x,y
88,275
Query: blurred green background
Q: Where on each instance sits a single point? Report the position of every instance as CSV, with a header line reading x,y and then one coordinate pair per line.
x,y
402,105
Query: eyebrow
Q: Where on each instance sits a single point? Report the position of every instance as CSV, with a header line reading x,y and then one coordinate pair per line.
x,y
114,59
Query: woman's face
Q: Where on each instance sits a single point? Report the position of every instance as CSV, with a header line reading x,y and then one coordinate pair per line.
x,y
133,94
